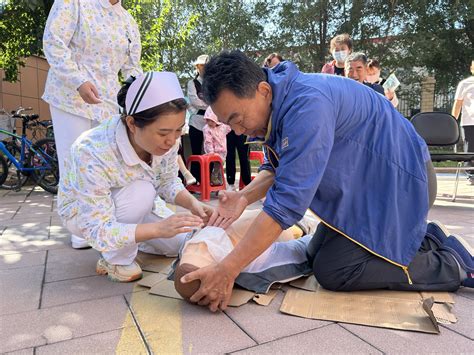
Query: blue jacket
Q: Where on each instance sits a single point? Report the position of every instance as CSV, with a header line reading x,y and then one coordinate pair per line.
x,y
342,150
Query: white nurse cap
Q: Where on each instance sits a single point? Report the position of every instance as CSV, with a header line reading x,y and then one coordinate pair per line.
x,y
152,89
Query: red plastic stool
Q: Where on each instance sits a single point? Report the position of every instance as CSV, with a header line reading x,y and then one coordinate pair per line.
x,y
205,188
253,155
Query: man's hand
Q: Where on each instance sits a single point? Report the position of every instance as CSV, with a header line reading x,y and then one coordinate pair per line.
x,y
202,210
216,286
231,205
89,93
177,223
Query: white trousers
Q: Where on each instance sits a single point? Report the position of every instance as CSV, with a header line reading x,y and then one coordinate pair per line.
x,y
134,204
67,127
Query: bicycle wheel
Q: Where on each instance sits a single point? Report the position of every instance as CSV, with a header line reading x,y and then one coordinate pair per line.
x,y
14,179
3,170
44,158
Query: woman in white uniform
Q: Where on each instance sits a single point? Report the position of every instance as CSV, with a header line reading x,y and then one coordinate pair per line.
x,y
87,43
120,174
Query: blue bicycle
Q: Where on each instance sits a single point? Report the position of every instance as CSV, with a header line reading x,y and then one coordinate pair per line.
x,y
21,158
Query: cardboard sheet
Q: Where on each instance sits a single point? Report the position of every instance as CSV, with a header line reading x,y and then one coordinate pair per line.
x,y
152,280
265,299
154,263
359,309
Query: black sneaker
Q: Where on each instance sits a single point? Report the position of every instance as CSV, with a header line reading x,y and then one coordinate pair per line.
x,y
461,250
437,232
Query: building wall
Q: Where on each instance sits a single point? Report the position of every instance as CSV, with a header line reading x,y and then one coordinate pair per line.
x,y
29,88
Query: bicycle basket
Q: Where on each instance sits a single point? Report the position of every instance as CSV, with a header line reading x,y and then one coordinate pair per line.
x,y
6,123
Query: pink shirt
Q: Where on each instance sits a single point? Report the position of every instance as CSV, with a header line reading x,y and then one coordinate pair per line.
x,y
215,139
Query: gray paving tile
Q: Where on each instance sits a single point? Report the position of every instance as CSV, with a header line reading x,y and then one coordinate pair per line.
x,y
64,264
267,325
466,292
20,260
76,290
405,342
47,326
29,351
201,328
20,289
103,343
328,339
464,311
27,231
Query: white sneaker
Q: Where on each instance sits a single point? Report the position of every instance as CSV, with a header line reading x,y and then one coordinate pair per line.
x,y
230,187
79,243
119,273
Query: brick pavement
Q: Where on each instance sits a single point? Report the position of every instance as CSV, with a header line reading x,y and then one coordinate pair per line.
x,y
51,300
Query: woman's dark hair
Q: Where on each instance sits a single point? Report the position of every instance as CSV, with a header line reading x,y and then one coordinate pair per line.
x,y
232,71
144,118
374,63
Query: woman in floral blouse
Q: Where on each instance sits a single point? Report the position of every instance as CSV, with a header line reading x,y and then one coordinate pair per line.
x,y
120,173
86,43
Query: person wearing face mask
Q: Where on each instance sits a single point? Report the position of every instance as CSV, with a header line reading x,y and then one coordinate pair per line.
x,y
119,175
340,48
373,77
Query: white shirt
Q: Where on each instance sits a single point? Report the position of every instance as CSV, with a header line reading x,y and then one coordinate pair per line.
x,y
196,104
89,40
465,92
102,159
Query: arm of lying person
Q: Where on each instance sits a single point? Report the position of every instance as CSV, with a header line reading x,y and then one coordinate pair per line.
x,y
217,279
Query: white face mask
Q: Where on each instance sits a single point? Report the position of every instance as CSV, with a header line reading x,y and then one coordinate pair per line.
x,y
340,56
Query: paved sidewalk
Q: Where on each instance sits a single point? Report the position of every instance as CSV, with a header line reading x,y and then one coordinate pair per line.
x,y
52,302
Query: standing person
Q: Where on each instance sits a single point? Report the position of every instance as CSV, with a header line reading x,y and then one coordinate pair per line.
x,y
215,142
197,108
358,164
237,141
120,173
464,101
340,48
86,43
272,60
373,77
356,68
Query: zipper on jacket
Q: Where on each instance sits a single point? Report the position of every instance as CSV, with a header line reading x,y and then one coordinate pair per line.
x,y
404,268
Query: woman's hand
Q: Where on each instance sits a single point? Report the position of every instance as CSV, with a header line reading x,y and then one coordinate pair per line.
x,y
230,207
201,210
176,224
89,93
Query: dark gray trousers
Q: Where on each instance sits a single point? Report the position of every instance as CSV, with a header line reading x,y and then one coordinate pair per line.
x,y
341,265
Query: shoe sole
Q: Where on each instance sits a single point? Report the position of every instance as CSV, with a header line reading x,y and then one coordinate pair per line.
x,y
102,270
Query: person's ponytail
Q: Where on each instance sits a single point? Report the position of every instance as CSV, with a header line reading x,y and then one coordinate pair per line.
x,y
122,94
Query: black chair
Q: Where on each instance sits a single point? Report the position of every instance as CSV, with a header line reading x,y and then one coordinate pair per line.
x,y
442,129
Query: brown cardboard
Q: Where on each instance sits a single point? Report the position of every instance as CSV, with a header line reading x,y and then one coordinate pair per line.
x,y
306,283
443,313
154,263
439,297
359,309
265,299
151,280
165,288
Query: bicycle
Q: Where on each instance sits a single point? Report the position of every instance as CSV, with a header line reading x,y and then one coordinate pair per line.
x,y
25,157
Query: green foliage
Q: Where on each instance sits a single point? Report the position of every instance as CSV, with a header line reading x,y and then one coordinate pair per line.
x,y
413,38
21,31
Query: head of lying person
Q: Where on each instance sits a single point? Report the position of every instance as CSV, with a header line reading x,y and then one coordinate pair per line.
x,y
237,90
154,112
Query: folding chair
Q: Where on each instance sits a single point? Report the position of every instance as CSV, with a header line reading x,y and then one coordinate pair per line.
x,y
442,129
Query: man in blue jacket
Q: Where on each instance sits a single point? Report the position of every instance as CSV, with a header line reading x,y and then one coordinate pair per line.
x,y
342,150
